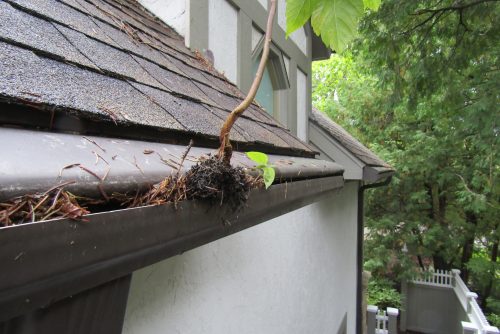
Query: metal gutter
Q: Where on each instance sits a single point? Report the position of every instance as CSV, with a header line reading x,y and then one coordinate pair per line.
x,y
34,161
376,173
359,255
47,261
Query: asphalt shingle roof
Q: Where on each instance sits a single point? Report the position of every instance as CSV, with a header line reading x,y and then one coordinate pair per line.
x,y
112,61
347,140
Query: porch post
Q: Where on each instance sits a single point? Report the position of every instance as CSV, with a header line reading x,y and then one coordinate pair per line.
x,y
371,318
393,313
404,304
469,328
470,296
455,273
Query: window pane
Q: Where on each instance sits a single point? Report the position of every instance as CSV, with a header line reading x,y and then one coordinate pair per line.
x,y
265,94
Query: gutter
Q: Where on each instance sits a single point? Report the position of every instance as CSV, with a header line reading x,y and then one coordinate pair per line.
x,y
34,161
360,241
44,262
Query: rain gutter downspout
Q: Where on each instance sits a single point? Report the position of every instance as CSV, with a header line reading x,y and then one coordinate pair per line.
x,y
359,247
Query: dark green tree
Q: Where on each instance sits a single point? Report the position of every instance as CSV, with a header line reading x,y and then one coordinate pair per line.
x,y
421,88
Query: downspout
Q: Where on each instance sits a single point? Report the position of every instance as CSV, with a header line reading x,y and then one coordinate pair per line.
x,y
359,257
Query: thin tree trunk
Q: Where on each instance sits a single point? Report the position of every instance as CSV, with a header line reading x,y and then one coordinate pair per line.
x,y
468,246
438,212
225,150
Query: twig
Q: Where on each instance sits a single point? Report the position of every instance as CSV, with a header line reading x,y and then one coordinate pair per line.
x,y
66,167
106,174
59,186
111,114
188,148
103,193
90,172
93,142
136,165
98,156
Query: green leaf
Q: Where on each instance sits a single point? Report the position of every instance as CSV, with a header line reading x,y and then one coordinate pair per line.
x,y
269,175
372,4
258,157
297,13
336,21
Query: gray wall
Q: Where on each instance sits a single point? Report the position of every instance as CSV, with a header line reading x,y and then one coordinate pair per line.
x,y
432,309
292,274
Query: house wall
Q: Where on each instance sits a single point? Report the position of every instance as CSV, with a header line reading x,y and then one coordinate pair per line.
x,y
292,274
172,12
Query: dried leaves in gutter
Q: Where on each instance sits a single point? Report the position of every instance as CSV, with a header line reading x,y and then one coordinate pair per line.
x,y
210,180
54,203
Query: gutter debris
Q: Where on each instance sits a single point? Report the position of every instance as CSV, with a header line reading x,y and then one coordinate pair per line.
x,y
126,173
210,180
54,203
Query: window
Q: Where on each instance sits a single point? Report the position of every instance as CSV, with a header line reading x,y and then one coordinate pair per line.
x,y
274,80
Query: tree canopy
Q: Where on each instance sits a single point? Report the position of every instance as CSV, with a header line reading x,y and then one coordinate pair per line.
x,y
420,88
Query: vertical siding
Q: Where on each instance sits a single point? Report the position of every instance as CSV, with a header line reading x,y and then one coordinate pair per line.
x,y
302,109
299,36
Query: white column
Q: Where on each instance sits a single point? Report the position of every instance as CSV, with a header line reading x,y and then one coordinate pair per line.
x,y
469,328
470,296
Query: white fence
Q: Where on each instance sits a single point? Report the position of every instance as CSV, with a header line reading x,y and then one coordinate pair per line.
x,y
475,322
435,278
380,321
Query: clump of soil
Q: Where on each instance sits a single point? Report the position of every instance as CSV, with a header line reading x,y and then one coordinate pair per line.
x,y
54,203
218,182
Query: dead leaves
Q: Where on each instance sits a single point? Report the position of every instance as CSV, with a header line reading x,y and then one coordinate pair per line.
x,y
54,203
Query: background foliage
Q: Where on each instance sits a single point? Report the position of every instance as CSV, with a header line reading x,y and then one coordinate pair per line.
x,y
420,87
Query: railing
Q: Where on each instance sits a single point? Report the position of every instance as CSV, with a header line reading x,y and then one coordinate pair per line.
x,y
380,321
435,278
477,322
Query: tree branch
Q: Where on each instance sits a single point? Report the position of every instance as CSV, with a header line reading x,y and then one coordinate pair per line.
x,y
454,7
438,12
225,149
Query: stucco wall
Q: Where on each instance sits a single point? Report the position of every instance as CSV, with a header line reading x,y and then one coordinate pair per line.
x,y
293,274
222,37
172,12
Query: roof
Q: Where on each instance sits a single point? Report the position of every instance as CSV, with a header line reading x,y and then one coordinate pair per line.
x,y
109,67
347,140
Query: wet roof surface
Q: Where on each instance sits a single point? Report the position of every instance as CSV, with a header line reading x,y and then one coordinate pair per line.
x,y
346,140
111,61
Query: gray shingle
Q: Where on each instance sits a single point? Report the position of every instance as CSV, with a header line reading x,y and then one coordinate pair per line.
x,y
65,15
191,115
173,81
108,58
39,34
347,140
53,83
135,52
